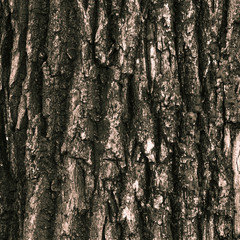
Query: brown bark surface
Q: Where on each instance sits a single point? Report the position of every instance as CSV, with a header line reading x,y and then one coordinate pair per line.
x,y
119,119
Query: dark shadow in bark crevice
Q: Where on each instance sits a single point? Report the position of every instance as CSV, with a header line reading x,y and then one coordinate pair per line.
x,y
145,232
174,196
223,29
9,221
94,31
12,224
176,21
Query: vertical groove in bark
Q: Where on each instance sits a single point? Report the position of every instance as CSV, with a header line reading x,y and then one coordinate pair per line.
x,y
224,22
5,206
8,218
13,68
203,164
187,157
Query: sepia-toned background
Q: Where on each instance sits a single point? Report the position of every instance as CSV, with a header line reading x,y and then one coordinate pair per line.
x,y
119,119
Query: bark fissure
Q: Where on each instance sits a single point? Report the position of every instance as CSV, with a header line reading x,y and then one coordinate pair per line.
x,y
131,103
223,29
175,207
94,30
7,44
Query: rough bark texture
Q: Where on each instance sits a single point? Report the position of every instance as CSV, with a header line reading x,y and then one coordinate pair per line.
x,y
119,119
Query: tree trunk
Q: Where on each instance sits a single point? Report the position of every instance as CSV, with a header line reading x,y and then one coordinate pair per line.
x,y
119,119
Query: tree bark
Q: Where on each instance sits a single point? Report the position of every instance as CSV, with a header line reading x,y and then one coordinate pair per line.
x,y
119,119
